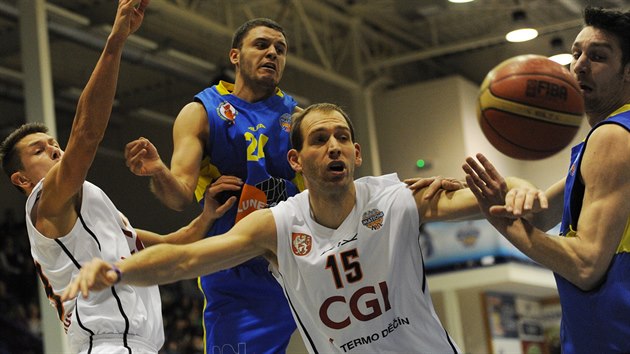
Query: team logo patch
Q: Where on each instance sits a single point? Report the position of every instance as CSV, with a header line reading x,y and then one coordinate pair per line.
x,y
227,112
373,219
285,122
301,244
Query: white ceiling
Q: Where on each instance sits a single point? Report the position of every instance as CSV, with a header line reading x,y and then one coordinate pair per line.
x,y
183,44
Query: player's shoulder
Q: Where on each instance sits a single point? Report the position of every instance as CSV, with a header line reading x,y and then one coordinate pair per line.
x,y
387,180
377,186
619,119
608,134
292,211
295,201
193,114
607,148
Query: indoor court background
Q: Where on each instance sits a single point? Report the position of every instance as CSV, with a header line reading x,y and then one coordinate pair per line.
x,y
406,71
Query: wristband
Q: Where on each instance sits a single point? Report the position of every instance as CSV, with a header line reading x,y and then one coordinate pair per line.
x,y
118,274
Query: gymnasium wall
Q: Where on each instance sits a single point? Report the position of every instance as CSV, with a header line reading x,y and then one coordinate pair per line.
x,y
437,121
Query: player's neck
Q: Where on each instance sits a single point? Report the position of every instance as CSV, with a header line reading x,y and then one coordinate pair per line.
x,y
251,92
596,116
332,209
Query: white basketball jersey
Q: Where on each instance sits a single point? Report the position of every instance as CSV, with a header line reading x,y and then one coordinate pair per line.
x,y
121,314
360,288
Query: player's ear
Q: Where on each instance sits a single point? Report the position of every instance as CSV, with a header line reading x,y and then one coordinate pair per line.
x,y
20,180
234,52
294,160
358,159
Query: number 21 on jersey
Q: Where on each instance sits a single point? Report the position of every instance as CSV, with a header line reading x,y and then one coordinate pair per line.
x,y
255,148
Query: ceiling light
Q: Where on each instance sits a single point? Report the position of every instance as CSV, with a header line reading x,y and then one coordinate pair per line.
x,y
460,1
562,58
522,31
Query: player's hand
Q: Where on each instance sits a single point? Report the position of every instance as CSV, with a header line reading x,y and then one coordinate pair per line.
x,y
95,275
521,202
434,184
213,208
142,158
129,17
490,189
488,186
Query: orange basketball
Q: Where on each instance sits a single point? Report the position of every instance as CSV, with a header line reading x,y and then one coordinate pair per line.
x,y
530,107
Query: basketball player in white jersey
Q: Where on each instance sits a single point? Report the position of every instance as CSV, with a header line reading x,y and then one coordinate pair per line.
x,y
346,252
70,221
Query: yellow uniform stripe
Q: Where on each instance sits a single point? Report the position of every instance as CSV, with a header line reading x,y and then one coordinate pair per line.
x,y
207,173
226,88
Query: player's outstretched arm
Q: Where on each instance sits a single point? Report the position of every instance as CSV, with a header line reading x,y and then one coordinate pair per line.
x,y
459,204
175,188
445,205
434,184
62,183
523,199
253,236
199,227
462,204
545,218
584,258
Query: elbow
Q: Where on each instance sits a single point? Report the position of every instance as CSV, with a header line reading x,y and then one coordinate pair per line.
x,y
179,203
589,276
87,136
179,272
176,205
187,268
587,283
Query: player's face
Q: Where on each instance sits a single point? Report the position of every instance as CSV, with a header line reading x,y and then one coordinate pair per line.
x,y
262,56
597,67
39,153
328,157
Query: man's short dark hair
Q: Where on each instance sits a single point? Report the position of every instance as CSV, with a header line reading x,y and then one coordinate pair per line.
x,y
615,22
243,30
10,156
297,140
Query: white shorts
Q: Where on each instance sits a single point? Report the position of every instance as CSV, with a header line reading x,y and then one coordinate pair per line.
x,y
114,346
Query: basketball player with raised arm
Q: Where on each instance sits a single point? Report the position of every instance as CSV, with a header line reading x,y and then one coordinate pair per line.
x,y
591,259
70,220
346,252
